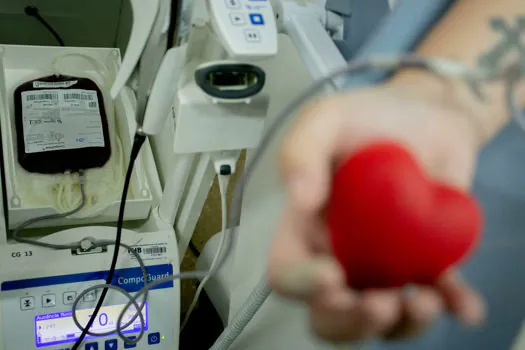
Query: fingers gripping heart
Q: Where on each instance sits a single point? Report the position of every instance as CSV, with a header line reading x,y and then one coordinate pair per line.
x,y
392,225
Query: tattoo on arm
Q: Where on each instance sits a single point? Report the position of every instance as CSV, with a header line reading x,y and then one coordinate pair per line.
x,y
506,60
512,42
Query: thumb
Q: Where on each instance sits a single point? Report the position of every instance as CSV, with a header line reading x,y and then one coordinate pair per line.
x,y
307,154
310,278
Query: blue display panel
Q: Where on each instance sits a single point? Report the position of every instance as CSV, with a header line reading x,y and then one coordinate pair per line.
x,y
59,328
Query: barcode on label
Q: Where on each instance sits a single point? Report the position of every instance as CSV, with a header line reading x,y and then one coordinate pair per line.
x,y
77,96
92,104
50,84
42,97
154,250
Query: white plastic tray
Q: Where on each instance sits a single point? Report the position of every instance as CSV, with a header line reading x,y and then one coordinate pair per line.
x,y
19,62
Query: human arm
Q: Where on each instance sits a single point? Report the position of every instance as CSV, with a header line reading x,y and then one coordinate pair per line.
x,y
441,122
468,34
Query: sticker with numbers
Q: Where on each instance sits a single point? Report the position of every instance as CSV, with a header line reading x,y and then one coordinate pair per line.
x,y
150,251
55,119
53,84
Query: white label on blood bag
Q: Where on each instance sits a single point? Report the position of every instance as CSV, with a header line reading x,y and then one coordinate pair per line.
x,y
61,120
53,84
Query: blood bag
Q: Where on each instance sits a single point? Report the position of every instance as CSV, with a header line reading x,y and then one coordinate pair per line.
x,y
61,125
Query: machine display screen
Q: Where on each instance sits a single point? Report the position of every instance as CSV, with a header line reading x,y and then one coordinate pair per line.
x,y
59,327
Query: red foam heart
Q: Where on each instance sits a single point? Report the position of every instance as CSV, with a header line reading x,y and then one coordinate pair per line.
x,y
391,225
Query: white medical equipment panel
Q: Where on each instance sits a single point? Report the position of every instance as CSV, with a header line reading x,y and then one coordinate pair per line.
x,y
21,63
247,28
36,305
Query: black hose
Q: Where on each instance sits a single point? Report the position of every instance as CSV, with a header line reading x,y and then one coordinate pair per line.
x,y
176,9
32,11
137,145
194,249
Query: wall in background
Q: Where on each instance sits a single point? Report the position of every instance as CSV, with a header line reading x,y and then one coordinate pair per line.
x,y
74,20
125,24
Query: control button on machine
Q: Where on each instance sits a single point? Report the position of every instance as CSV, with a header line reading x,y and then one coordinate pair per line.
x,y
69,298
252,35
130,346
256,19
111,344
233,4
27,303
92,346
90,296
153,338
49,300
238,19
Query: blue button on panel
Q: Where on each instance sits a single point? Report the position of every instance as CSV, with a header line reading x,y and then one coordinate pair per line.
x,y
154,338
257,19
130,346
111,344
92,346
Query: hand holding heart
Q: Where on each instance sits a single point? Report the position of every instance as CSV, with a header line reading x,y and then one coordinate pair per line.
x,y
390,225
377,197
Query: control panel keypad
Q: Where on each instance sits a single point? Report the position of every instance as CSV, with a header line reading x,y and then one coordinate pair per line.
x,y
238,18
36,301
69,298
233,4
247,27
49,300
252,35
27,303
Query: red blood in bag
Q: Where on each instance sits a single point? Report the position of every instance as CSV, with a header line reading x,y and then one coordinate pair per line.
x,y
392,225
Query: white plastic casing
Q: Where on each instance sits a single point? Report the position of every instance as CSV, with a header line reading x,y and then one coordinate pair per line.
x,y
36,272
18,64
163,91
203,124
247,28
144,16
305,24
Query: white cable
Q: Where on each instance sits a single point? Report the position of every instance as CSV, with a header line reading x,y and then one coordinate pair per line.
x,y
96,64
223,188
245,314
